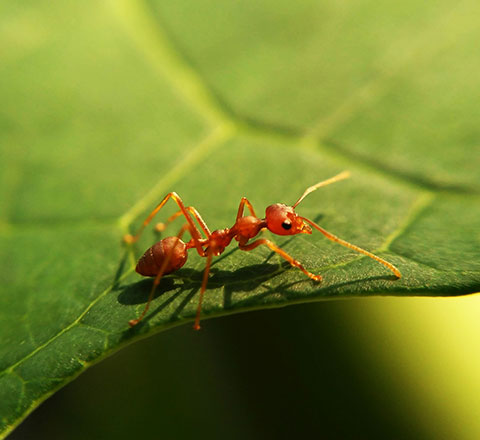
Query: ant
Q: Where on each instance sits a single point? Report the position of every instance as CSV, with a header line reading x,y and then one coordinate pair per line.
x,y
170,254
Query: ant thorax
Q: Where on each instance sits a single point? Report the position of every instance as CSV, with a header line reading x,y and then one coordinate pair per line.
x,y
247,227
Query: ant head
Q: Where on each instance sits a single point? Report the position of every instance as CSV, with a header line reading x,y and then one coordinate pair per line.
x,y
283,220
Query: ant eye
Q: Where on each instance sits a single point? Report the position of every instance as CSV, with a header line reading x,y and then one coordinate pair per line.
x,y
287,224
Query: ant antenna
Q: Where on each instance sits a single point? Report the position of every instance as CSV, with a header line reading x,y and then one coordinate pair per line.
x,y
341,176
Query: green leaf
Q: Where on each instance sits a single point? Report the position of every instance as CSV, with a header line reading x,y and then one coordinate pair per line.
x,y
106,108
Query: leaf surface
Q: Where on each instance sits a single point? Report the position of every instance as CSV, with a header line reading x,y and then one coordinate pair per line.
x,y
106,108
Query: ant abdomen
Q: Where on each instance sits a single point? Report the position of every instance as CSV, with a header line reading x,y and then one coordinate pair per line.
x,y
151,261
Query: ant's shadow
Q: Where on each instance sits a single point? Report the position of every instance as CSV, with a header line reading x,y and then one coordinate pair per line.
x,y
187,282
245,278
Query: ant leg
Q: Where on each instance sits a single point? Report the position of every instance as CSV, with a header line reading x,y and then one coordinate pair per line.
x,y
196,325
158,277
244,202
332,237
191,210
282,253
129,239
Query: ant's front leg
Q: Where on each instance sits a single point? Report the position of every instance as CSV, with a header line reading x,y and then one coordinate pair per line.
x,y
332,237
282,253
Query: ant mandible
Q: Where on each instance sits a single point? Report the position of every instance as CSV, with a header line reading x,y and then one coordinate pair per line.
x,y
170,254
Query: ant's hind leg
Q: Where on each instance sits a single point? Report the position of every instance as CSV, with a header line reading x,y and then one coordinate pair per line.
x,y
282,253
129,238
241,207
159,276
196,325
161,226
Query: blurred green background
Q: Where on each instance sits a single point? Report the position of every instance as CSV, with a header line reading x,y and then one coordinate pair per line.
x,y
81,80
366,368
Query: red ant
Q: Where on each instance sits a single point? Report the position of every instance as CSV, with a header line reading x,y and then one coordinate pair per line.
x,y
170,254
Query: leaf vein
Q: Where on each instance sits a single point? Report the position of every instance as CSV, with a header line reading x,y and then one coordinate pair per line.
x,y
77,321
151,39
374,88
